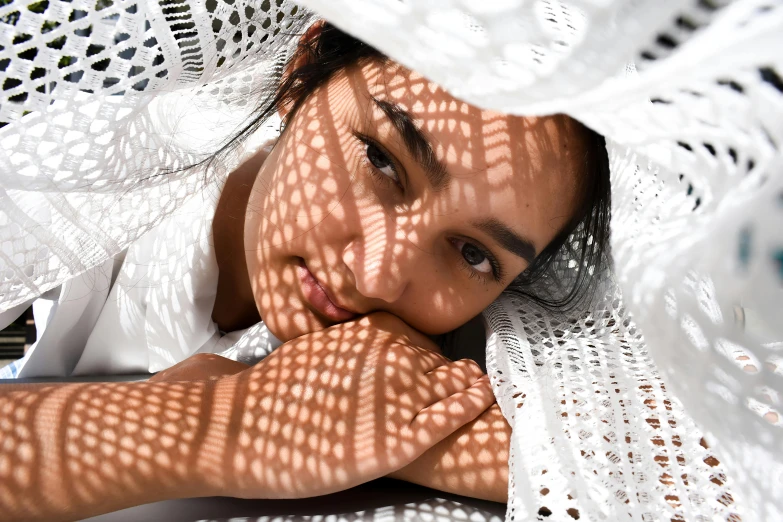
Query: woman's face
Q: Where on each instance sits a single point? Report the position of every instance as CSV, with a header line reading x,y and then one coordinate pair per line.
x,y
385,193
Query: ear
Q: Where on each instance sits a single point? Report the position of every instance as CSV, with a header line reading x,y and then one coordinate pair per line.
x,y
301,57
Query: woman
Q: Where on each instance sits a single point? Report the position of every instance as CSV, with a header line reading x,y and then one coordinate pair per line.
x,y
386,210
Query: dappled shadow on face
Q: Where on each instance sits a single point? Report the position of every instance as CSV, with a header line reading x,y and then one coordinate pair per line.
x,y
320,414
385,221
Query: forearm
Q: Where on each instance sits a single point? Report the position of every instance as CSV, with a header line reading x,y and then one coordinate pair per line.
x,y
72,451
473,461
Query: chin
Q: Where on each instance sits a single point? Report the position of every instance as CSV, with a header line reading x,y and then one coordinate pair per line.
x,y
437,328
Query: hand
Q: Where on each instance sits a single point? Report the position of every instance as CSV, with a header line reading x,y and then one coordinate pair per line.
x,y
472,461
336,408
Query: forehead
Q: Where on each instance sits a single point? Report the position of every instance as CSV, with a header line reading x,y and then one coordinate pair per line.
x,y
470,137
524,167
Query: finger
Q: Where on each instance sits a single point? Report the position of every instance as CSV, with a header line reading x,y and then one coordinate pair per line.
x,y
448,379
429,360
443,418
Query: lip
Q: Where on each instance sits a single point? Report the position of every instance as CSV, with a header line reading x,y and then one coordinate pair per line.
x,y
318,297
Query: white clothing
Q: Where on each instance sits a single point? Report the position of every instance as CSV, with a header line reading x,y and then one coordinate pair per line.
x,y
143,311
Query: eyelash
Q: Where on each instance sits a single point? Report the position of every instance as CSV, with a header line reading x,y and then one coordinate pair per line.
x,y
367,141
497,271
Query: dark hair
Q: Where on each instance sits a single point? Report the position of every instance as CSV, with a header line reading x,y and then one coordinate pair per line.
x,y
583,239
567,270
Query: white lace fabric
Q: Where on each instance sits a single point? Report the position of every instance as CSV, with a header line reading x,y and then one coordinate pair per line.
x,y
102,97
660,403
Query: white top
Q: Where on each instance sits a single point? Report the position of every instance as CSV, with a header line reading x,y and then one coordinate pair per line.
x,y
143,311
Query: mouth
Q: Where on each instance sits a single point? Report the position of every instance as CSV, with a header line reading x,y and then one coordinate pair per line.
x,y
317,297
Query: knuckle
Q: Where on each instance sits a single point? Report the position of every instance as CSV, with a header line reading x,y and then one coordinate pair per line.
x,y
422,341
400,351
472,367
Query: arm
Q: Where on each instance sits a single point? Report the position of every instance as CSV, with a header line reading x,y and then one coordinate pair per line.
x,y
276,430
72,451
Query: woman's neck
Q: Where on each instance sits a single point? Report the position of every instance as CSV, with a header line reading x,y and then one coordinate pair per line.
x,y
235,306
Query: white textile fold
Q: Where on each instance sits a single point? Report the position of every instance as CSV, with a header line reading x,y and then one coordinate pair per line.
x,y
661,402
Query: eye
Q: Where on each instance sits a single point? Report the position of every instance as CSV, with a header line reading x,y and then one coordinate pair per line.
x,y
474,256
381,161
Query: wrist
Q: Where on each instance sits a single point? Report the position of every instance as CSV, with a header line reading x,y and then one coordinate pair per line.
x,y
214,460
50,430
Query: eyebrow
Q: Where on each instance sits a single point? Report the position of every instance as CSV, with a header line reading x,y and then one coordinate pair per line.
x,y
507,238
417,143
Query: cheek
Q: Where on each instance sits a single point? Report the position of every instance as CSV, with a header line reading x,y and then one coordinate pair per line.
x,y
441,305
305,186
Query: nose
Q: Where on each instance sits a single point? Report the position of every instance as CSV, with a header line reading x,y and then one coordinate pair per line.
x,y
380,264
